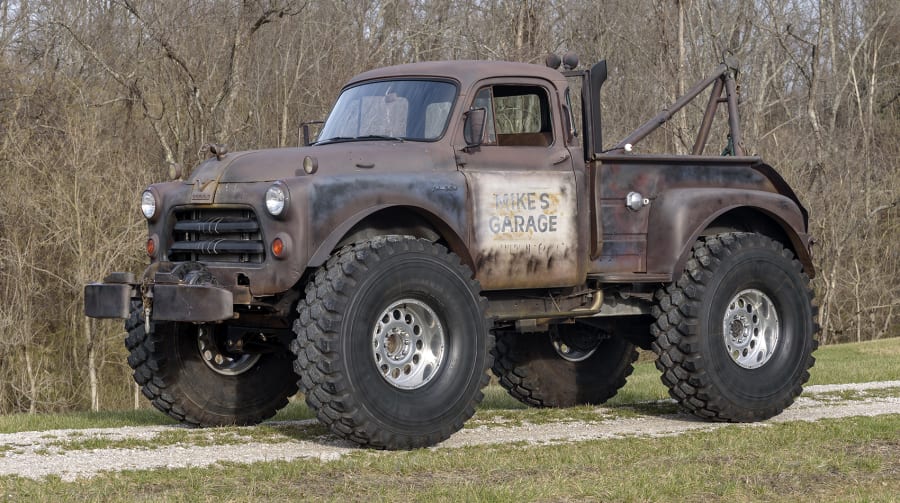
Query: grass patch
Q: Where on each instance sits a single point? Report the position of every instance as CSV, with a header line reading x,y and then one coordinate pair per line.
x,y
893,392
857,362
214,436
79,420
852,459
839,396
643,386
12,423
518,417
296,410
858,394
265,433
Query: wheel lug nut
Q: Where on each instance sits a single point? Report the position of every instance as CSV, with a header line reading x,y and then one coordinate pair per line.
x,y
207,355
219,359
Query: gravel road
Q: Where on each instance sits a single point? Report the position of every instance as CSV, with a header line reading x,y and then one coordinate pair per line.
x,y
71,454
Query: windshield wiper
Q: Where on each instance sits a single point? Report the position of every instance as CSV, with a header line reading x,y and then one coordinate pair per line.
x,y
380,137
340,139
335,139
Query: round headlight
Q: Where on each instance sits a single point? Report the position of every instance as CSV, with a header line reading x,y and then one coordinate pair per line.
x,y
276,199
148,204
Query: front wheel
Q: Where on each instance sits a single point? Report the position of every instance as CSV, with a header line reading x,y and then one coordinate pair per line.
x,y
735,334
187,373
393,343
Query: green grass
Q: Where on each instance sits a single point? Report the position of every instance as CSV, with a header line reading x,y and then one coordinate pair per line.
x,y
857,362
264,433
858,395
78,420
296,410
853,459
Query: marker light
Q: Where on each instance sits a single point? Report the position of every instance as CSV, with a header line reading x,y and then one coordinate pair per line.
x,y
277,247
310,165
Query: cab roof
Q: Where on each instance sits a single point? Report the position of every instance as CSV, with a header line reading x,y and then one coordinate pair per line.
x,y
466,72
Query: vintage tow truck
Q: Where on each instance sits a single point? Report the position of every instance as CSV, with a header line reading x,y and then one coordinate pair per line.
x,y
451,218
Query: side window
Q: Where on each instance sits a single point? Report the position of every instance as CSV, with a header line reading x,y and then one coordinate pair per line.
x,y
517,116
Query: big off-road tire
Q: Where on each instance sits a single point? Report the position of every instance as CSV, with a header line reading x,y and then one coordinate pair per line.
x,y
393,343
544,371
238,390
735,333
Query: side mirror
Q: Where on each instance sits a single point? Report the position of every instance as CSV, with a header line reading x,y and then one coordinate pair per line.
x,y
473,127
305,131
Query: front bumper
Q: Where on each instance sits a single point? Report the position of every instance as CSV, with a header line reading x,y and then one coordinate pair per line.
x,y
179,301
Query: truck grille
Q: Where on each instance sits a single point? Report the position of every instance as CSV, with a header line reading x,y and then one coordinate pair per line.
x,y
216,235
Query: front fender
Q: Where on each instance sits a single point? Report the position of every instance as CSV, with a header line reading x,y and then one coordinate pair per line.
x,y
679,216
338,204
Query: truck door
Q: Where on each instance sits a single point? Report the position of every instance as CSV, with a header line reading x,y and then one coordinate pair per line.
x,y
523,193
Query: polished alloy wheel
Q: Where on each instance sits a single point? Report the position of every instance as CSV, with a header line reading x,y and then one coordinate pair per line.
x,y
751,329
408,344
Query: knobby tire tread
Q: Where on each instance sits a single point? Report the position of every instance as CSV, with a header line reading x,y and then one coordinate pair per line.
x,y
519,380
677,330
318,328
148,361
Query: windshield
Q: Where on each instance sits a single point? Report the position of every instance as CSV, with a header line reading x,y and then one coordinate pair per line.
x,y
393,109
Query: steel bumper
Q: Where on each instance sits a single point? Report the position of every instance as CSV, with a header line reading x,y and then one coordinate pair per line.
x,y
200,303
106,300
170,302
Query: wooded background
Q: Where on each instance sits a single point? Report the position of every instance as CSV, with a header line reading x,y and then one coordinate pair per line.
x,y
98,97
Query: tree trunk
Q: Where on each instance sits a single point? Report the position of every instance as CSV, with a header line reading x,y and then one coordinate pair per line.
x,y
682,65
830,288
92,365
859,308
32,382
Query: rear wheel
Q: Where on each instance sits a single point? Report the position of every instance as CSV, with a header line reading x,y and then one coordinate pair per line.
x,y
186,372
393,344
735,334
572,365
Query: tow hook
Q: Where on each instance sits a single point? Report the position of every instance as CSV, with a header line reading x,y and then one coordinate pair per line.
x,y
146,298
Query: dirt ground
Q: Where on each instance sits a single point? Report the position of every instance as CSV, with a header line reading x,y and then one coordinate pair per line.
x,y
73,454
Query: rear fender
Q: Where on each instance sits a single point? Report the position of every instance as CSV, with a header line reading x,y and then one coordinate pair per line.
x,y
680,216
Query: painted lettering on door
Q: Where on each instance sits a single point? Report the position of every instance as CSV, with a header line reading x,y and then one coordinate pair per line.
x,y
524,227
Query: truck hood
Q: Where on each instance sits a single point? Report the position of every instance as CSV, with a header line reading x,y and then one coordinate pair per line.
x,y
332,159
